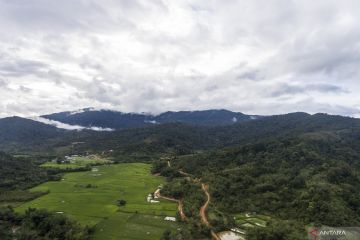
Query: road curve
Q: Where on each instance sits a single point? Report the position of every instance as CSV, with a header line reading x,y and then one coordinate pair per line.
x,y
180,204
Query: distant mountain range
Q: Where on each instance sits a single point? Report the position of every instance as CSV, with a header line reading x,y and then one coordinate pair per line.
x,y
190,130
118,120
18,133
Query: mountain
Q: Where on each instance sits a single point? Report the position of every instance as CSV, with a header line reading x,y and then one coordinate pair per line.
x,y
17,133
178,137
206,117
22,129
119,120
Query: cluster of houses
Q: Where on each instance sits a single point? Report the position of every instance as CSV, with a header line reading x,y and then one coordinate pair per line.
x,y
71,158
66,159
151,198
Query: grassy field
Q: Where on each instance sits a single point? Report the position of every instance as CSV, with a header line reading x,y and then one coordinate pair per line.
x,y
96,205
78,162
133,226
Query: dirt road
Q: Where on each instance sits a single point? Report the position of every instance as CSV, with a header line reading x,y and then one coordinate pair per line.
x,y
203,217
203,209
180,204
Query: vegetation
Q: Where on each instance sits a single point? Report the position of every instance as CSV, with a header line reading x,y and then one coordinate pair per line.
x,y
304,178
277,230
19,173
39,225
310,178
121,202
189,192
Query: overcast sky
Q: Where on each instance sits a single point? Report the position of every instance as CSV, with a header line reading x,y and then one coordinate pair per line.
x,y
253,56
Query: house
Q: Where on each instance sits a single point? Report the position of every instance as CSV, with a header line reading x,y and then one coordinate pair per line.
x,y
172,219
148,198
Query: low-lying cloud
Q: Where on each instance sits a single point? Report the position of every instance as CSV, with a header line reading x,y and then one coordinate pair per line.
x,y
68,126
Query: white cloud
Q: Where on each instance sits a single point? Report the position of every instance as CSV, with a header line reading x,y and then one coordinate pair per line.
x,y
259,57
68,126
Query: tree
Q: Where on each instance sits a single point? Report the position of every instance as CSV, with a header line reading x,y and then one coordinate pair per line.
x,y
121,202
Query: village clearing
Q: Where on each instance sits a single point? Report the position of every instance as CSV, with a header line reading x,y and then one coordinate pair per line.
x,y
74,162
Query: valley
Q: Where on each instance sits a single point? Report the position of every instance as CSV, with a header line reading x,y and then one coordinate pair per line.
x,y
179,120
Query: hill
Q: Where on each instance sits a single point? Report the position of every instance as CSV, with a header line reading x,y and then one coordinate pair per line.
x,y
20,133
296,167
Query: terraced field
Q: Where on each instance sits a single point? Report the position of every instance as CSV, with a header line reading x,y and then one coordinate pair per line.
x,y
91,198
248,220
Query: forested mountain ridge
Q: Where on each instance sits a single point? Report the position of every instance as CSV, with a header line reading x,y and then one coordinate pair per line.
x,y
17,133
21,129
184,139
119,120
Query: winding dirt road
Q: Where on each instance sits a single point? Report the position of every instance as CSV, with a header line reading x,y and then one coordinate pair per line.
x,y
203,209
180,204
205,188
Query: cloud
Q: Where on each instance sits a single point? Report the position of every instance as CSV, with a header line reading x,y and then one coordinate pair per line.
x,y
287,89
68,126
21,67
259,57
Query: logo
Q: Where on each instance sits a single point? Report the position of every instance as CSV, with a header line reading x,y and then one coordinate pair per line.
x,y
333,233
313,233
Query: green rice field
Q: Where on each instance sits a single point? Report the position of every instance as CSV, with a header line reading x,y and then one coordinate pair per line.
x,y
91,199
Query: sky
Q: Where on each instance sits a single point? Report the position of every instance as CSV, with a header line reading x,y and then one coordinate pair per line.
x,y
253,56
